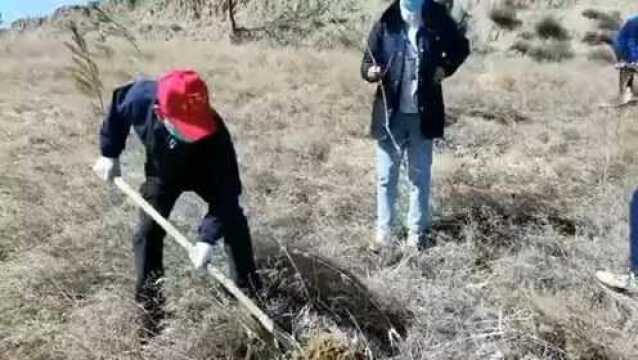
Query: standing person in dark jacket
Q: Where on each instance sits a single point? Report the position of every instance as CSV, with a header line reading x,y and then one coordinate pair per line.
x,y
626,49
411,50
188,148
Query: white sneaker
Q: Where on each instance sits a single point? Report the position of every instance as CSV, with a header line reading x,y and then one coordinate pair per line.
x,y
382,239
414,239
624,282
627,95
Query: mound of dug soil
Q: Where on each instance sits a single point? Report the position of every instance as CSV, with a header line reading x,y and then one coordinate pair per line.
x,y
299,282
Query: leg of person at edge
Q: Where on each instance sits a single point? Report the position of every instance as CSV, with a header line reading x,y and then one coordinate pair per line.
x,y
629,280
188,148
626,49
412,48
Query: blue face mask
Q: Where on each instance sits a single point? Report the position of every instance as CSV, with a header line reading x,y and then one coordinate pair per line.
x,y
412,5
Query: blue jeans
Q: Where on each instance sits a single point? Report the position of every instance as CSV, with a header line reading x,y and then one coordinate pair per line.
x,y
406,130
633,233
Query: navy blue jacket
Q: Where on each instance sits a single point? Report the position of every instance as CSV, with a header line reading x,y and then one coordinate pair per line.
x,y
440,43
626,42
208,165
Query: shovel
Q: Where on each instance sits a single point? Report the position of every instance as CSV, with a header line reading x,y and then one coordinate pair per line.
x,y
264,320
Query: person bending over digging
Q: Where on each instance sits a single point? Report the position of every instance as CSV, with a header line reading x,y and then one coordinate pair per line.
x,y
188,148
411,50
626,49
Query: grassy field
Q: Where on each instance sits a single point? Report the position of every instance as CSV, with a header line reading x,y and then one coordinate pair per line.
x,y
530,191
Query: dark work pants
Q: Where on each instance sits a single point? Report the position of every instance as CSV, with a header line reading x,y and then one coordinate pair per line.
x,y
626,80
225,218
633,233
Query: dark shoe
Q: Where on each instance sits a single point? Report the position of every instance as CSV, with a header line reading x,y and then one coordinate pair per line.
x,y
427,241
151,302
421,242
152,324
250,285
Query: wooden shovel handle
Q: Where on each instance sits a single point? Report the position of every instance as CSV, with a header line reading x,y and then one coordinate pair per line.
x,y
225,282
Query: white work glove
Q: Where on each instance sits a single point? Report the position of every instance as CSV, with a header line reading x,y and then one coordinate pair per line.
x,y
439,75
201,254
107,168
375,73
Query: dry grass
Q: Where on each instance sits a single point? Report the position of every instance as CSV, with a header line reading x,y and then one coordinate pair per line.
x,y
544,51
530,192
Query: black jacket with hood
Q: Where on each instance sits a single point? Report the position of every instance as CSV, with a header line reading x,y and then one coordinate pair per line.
x,y
440,44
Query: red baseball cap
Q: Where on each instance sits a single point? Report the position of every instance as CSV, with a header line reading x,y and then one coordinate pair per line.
x,y
182,98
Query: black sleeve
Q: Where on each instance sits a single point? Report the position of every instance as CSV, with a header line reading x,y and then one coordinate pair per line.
x,y
372,51
457,47
130,106
116,125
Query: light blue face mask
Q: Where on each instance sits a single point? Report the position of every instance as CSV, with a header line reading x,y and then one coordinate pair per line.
x,y
412,5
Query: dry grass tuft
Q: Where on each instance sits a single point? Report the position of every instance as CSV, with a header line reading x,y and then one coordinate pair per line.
x,y
495,218
549,27
328,347
552,51
505,17
611,21
594,38
85,71
522,46
544,51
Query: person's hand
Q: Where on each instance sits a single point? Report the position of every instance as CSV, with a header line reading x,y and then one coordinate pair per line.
x,y
107,168
201,255
439,75
375,73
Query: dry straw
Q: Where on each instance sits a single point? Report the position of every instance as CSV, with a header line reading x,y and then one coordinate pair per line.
x,y
84,71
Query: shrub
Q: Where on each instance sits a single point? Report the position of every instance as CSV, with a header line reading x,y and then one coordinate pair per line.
x,y
522,46
552,51
551,28
599,37
505,17
606,21
526,35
